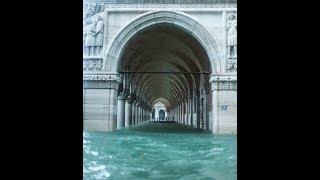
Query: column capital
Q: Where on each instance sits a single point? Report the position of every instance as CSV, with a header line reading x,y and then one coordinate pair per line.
x,y
130,98
121,96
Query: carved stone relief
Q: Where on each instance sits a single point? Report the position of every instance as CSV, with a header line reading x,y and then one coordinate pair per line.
x,y
232,42
92,64
232,65
93,27
224,85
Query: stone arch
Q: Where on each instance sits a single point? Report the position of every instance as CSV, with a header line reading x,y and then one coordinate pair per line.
x,y
178,19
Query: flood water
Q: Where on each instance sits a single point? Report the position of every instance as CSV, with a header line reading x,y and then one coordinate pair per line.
x,y
159,151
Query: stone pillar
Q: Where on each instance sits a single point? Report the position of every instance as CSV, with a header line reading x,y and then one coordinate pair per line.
x,y
191,110
121,111
180,113
113,108
224,103
128,109
100,102
140,114
198,111
133,113
182,110
143,115
206,114
136,115
187,111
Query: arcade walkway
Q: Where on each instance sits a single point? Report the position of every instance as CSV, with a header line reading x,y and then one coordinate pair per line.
x,y
164,64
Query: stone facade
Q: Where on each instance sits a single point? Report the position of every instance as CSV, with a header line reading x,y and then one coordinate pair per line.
x,y
108,28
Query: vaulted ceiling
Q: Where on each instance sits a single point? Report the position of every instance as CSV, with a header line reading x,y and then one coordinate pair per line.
x,y
165,48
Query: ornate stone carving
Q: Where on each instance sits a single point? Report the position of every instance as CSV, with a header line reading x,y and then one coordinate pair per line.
x,y
107,81
90,9
224,85
171,1
92,64
232,35
101,77
168,5
231,66
93,29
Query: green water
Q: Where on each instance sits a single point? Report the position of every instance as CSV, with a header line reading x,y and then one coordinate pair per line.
x,y
159,151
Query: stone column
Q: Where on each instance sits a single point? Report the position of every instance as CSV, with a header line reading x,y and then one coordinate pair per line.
x,y
128,109
190,110
121,111
182,110
143,115
113,108
100,102
140,114
133,113
136,115
206,114
187,111
180,113
198,111
224,104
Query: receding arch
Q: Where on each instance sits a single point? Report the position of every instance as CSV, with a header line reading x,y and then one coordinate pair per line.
x,y
178,19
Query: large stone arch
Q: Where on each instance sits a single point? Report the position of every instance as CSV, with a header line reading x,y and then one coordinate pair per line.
x,y
178,19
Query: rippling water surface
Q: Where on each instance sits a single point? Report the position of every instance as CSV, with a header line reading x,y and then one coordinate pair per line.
x,y
159,151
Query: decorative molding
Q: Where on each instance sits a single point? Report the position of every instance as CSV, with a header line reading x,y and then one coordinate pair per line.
x,y
100,85
169,6
223,82
166,1
160,4
224,85
101,77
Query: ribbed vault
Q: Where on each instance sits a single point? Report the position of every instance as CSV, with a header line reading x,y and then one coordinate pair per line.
x,y
164,48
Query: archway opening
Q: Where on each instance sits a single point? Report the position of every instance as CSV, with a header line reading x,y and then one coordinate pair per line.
x,y
160,112
165,63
